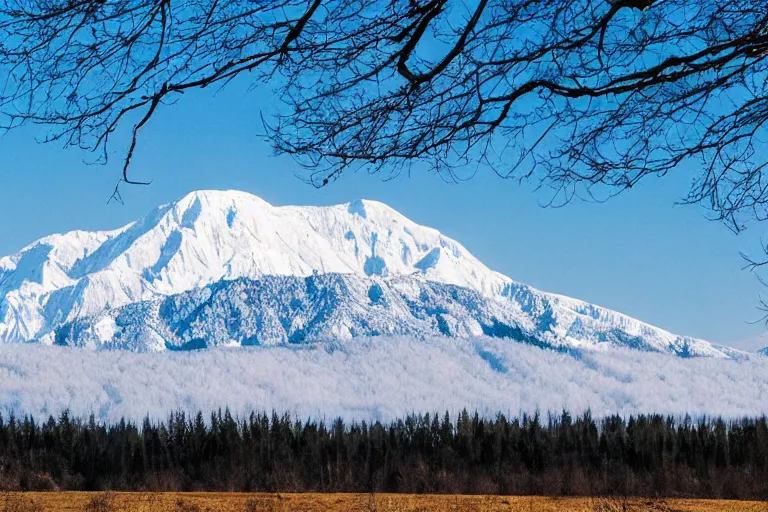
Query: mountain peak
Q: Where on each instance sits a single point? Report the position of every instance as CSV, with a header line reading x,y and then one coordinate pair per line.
x,y
362,207
188,209
210,237
215,197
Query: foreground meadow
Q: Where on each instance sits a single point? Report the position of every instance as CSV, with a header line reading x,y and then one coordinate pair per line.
x,y
241,502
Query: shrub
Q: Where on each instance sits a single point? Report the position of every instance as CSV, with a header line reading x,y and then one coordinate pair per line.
x,y
262,504
185,506
102,502
37,482
625,505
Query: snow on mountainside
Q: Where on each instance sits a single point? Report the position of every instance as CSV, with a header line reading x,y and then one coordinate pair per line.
x,y
225,267
763,351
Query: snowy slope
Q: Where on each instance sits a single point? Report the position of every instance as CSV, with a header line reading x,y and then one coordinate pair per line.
x,y
109,289
287,309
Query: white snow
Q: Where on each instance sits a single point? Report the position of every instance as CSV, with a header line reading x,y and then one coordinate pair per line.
x,y
208,236
376,378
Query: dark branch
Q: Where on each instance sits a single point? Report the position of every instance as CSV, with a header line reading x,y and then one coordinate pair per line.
x,y
587,97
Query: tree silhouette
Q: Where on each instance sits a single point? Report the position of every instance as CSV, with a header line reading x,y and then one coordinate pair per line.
x,y
644,455
585,97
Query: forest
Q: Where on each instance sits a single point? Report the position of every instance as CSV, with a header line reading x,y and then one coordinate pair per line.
x,y
560,455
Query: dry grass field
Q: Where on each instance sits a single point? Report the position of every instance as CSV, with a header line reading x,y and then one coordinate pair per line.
x,y
235,502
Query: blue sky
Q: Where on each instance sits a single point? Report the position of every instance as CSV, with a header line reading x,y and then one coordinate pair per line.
x,y
639,253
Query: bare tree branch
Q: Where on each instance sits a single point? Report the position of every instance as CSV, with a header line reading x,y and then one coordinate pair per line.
x,y
585,97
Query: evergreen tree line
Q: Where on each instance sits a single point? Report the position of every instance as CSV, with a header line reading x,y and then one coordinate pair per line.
x,y
647,455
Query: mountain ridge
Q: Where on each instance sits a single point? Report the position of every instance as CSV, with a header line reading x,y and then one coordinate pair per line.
x,y
210,237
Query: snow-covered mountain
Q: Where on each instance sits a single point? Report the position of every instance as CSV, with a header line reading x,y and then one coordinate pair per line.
x,y
763,351
225,267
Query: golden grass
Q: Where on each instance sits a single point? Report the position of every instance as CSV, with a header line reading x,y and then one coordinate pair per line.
x,y
237,502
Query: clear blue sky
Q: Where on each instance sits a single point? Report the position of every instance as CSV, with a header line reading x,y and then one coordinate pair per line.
x,y
638,254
